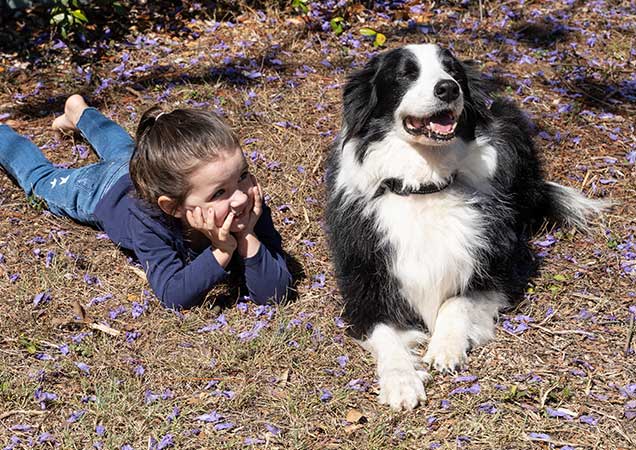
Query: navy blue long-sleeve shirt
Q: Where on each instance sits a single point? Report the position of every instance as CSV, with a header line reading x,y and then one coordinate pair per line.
x,y
179,276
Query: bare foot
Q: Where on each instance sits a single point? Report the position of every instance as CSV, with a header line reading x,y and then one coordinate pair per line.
x,y
73,109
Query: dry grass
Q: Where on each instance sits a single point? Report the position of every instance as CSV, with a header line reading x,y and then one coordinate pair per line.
x,y
572,359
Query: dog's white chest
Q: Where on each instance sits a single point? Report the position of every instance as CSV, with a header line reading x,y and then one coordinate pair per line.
x,y
434,238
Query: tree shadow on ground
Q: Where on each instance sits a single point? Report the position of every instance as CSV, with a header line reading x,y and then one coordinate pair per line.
x,y
238,72
24,31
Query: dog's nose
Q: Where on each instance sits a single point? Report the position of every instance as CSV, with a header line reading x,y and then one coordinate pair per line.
x,y
446,90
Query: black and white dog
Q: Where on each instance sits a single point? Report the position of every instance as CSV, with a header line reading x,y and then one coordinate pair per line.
x,y
433,191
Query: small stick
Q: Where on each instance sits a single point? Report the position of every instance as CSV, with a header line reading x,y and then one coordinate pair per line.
x,y
630,335
584,333
21,411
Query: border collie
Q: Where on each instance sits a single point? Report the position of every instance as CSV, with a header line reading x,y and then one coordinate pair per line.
x,y
433,192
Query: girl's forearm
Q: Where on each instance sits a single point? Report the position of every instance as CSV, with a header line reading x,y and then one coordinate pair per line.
x,y
248,245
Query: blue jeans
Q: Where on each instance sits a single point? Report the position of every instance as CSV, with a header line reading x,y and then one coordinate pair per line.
x,y
70,192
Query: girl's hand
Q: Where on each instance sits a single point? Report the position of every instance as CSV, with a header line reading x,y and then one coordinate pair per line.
x,y
221,238
256,197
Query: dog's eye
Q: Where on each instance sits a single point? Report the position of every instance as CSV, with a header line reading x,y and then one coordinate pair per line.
x,y
408,69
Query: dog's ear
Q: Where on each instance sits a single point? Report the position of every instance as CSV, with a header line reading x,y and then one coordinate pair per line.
x,y
479,90
360,97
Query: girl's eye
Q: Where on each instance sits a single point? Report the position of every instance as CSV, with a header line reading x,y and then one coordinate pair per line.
x,y
244,175
218,194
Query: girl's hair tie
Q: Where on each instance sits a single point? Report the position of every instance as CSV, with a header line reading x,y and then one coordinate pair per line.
x,y
159,115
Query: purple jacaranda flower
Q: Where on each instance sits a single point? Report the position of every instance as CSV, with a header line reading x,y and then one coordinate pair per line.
x,y
342,360
211,417
81,150
487,408
43,357
23,428
167,394
325,395
42,297
630,410
77,415
138,309
254,332
83,367
517,324
340,323
126,447
113,313
49,259
560,412
174,414
223,426
79,337
539,436
165,442
444,403
588,419
46,437
132,336
547,242
14,277
319,281
139,370
100,430
358,384
473,389
44,397
272,429
150,397
100,299
92,280
101,236
464,379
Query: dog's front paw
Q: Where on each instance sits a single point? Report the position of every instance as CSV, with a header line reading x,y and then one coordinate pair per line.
x,y
447,354
402,389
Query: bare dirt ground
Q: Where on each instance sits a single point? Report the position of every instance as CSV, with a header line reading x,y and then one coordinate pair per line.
x,y
560,374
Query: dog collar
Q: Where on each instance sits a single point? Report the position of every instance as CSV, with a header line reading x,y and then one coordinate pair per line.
x,y
396,185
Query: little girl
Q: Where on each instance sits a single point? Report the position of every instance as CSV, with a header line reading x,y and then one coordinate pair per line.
x,y
181,197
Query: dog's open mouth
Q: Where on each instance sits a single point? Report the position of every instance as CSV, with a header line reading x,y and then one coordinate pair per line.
x,y
440,126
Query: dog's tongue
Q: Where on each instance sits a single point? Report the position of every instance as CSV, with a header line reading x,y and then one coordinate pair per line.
x,y
442,123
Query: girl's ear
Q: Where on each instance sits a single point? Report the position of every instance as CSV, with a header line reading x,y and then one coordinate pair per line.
x,y
169,206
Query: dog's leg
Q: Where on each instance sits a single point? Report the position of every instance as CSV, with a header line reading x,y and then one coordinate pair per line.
x,y
462,322
401,383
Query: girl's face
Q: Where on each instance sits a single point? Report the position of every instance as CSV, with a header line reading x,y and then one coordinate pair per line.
x,y
222,184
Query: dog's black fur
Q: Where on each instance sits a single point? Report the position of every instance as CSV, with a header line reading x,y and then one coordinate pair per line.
x,y
520,197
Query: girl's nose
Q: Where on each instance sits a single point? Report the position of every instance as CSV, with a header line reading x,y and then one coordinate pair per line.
x,y
238,200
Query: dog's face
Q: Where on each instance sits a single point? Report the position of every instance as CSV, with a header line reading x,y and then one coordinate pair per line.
x,y
422,93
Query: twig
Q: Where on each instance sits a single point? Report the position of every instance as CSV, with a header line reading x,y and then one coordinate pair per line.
x,y
585,333
630,335
21,411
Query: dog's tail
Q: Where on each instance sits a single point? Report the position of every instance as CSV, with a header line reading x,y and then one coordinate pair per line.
x,y
570,207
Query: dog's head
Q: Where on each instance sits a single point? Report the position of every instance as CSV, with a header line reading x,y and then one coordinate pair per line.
x,y
422,93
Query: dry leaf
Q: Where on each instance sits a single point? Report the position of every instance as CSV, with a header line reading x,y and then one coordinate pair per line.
x,y
79,311
355,416
351,428
140,273
104,329
283,378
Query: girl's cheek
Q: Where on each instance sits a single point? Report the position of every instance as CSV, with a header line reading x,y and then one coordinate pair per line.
x,y
220,213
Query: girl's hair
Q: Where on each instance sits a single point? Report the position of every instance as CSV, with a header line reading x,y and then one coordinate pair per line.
x,y
169,148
